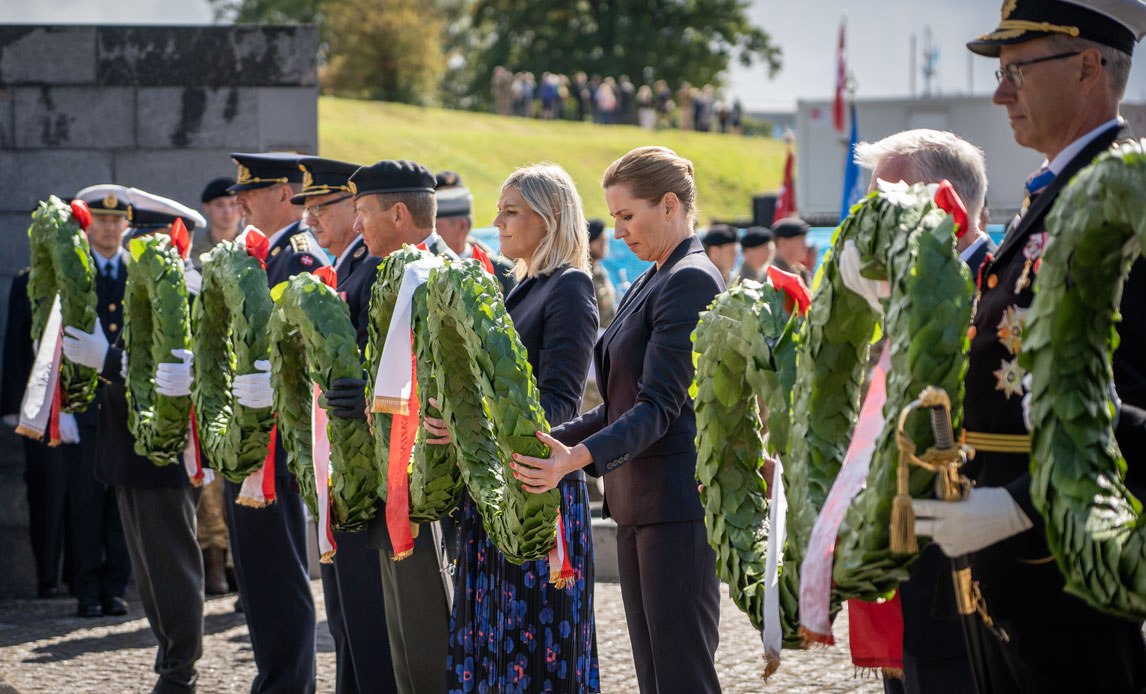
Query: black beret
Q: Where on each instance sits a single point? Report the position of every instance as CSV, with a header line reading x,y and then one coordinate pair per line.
x,y
719,235
789,228
389,176
323,177
265,169
596,228
219,188
1114,23
447,179
755,236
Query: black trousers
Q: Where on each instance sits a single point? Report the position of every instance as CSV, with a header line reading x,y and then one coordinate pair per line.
x,y
160,528
46,480
356,617
1107,655
672,606
271,567
417,615
100,561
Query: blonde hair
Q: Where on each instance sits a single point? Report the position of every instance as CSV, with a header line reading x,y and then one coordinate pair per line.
x,y
651,173
550,192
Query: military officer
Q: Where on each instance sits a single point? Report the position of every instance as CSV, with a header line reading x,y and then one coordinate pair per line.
x,y
455,220
1063,70
100,554
352,584
602,285
269,544
757,248
791,236
395,205
156,503
720,245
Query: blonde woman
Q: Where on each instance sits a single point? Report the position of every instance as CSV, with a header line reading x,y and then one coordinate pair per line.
x,y
511,630
642,438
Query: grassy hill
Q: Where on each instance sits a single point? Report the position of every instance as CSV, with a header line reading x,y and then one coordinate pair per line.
x,y
485,148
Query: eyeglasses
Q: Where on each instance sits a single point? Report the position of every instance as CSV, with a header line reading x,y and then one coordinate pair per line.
x,y
316,210
1014,71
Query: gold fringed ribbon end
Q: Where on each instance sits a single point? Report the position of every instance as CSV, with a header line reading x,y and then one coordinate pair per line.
x,y
561,583
813,639
327,557
771,665
29,432
903,540
895,673
402,555
250,503
391,405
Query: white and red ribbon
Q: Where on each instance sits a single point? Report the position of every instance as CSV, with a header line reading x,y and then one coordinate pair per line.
x,y
816,571
258,488
560,570
320,458
40,407
773,632
193,456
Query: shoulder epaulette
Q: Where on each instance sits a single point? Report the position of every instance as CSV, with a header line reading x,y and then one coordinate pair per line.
x,y
300,243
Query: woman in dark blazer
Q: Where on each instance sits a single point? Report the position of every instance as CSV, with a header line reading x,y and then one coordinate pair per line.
x,y
546,639
642,438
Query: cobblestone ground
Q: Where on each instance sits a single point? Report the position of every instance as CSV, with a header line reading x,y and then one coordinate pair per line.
x,y
45,648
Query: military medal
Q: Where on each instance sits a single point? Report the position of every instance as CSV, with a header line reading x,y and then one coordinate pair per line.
x,y
1009,377
1033,252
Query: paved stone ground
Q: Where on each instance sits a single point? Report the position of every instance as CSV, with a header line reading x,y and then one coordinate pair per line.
x,y
45,648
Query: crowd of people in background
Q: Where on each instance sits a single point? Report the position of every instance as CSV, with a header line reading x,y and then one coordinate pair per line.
x,y
620,101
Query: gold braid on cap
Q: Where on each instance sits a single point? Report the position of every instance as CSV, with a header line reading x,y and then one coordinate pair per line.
x,y
246,177
1014,28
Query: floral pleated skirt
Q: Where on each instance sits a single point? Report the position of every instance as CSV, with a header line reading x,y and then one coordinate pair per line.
x,y
513,632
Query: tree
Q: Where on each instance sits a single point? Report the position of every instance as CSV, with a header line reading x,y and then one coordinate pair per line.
x,y
679,40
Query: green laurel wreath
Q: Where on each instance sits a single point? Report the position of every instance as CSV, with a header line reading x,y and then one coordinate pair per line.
x,y
156,321
743,344
311,339
1094,525
230,334
61,262
435,478
491,405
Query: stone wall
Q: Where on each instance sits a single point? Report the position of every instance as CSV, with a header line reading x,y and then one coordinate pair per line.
x,y
158,108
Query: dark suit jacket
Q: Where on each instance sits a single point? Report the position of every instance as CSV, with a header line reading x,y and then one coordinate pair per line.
x,y
356,278
643,436
18,356
117,463
292,254
556,317
1016,577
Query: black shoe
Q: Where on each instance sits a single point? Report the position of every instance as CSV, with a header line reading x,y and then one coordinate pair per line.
x,y
238,604
48,591
89,610
115,607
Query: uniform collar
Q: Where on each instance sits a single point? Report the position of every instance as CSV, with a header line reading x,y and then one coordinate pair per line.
x,y
430,240
102,262
969,251
1072,150
275,237
347,253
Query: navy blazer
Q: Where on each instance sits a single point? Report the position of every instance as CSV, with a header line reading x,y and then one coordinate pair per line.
x,y
356,277
556,317
18,355
292,253
643,436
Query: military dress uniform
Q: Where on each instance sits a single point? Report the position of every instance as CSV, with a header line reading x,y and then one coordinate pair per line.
x,y
352,582
417,608
269,545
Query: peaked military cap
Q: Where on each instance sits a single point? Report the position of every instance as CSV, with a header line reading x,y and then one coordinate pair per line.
x,y
756,236
719,235
596,228
454,201
323,177
1115,23
105,198
265,169
447,179
218,188
789,228
148,212
390,176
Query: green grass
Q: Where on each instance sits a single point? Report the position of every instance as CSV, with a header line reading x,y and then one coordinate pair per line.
x,y
484,149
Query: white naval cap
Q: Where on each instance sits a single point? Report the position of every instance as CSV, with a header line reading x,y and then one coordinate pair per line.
x,y
105,198
150,211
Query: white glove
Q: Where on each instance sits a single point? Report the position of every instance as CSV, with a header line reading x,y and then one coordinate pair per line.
x,y
254,389
12,420
85,349
69,429
986,516
174,380
194,280
871,290
1026,402
123,364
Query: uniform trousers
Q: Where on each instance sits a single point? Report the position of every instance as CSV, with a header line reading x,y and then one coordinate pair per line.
x,y
271,567
672,605
1105,655
100,559
159,524
46,479
356,617
417,615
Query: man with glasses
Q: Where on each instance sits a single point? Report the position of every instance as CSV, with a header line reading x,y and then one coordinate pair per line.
x,y
352,584
1063,70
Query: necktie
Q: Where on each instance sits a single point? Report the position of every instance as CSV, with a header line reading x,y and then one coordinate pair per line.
x,y
106,281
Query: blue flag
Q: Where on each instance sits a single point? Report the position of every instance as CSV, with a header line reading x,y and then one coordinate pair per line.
x,y
853,182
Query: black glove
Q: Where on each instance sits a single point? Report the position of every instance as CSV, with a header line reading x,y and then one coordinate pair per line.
x,y
346,398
